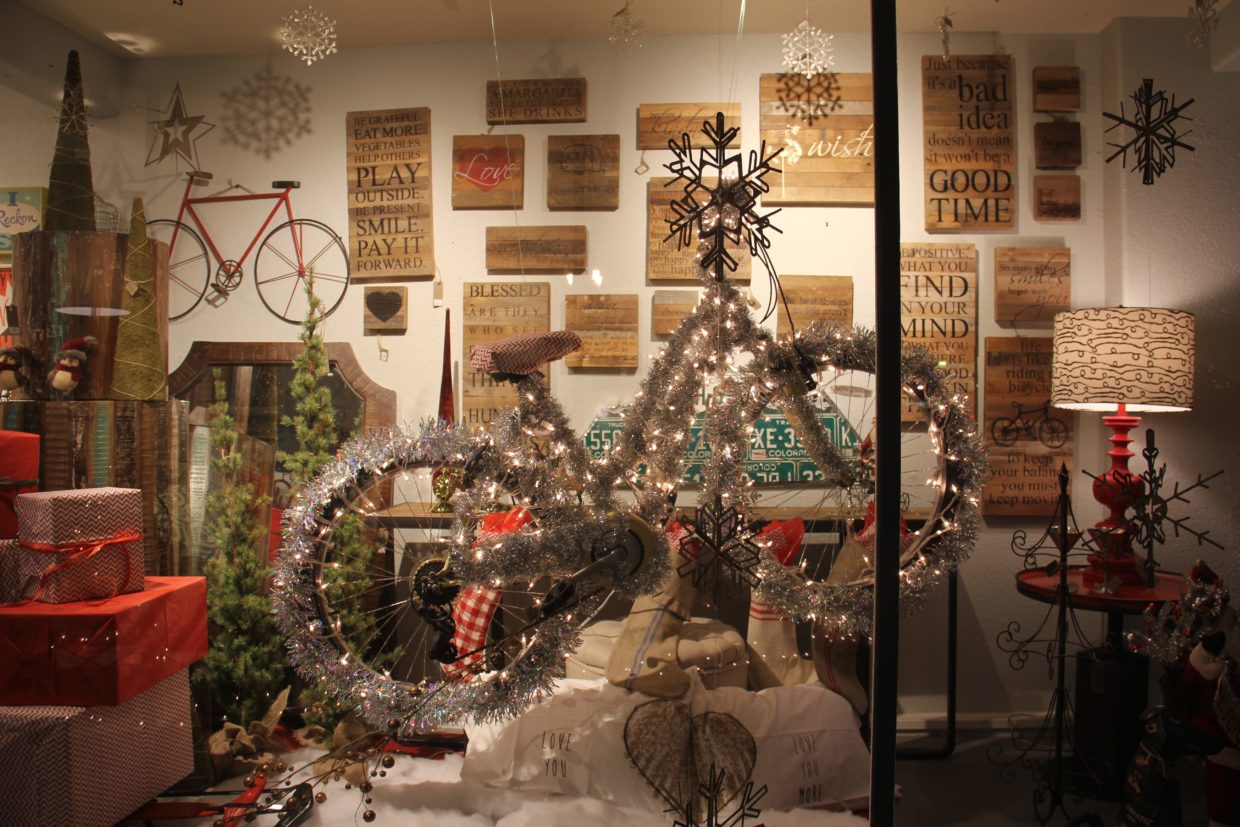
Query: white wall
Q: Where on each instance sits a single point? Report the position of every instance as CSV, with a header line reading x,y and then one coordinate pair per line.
x,y
450,80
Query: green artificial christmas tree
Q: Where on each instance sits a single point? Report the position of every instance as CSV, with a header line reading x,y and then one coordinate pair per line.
x,y
314,424
70,189
246,666
138,368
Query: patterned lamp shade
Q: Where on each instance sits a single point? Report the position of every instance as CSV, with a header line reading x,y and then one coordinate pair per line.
x,y
1140,356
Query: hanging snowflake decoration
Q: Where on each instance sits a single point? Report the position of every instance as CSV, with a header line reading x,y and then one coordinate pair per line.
x,y
1204,17
719,549
808,50
266,113
626,30
308,35
944,24
1154,133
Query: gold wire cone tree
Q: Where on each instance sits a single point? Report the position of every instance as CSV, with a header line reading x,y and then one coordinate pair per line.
x,y
139,371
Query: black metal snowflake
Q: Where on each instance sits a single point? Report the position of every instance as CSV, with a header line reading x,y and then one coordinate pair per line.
x,y
718,542
711,791
1155,137
809,99
720,198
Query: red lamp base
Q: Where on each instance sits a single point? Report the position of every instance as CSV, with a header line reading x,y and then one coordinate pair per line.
x,y
1116,490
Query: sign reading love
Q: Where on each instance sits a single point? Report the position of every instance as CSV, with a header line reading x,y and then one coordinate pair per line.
x,y
488,171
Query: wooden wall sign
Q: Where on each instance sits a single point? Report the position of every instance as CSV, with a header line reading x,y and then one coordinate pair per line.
x,y
583,172
547,249
1057,145
385,310
1026,439
825,125
664,262
658,123
21,210
668,307
538,100
938,307
391,233
970,144
488,172
1057,197
497,310
1032,284
607,325
1056,88
828,299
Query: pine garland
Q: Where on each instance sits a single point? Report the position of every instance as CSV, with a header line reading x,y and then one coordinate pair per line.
x,y
139,371
246,665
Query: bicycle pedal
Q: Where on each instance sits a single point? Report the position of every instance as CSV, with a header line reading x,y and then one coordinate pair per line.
x,y
215,296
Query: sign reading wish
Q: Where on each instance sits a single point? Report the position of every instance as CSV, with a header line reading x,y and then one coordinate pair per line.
x,y
389,166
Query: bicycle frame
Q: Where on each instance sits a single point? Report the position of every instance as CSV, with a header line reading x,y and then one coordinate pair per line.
x,y
187,207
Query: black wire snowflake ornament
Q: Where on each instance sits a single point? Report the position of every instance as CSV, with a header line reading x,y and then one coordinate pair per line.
x,y
720,199
1155,137
719,549
711,791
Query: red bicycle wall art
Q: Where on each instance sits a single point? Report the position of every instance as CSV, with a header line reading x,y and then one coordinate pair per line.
x,y
287,255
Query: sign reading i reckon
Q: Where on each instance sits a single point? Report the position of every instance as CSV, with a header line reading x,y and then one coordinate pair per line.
x,y
389,166
970,146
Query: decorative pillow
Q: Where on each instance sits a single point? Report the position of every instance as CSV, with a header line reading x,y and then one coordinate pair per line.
x,y
522,355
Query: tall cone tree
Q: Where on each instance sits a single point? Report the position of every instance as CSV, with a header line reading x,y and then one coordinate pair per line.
x,y
70,190
138,367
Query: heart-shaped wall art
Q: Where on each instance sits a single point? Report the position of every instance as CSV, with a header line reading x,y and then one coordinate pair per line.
x,y
675,750
384,304
487,168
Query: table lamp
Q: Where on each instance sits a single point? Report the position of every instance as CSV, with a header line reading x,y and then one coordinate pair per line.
x,y
1128,360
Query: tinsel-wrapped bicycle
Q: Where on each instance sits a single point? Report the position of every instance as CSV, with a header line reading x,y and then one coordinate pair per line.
x,y
582,531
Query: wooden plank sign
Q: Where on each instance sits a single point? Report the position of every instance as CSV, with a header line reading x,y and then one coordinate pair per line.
x,y
391,233
828,299
938,308
658,123
21,210
607,325
583,172
664,262
488,172
1026,439
668,307
970,144
385,310
1032,284
493,311
1057,197
1057,145
548,249
537,100
1056,88
825,125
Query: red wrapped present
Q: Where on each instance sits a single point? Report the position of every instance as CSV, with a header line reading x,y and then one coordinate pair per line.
x,y
80,544
10,589
19,474
104,653
93,766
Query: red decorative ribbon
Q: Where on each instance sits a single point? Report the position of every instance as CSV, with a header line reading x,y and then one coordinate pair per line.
x,y
78,553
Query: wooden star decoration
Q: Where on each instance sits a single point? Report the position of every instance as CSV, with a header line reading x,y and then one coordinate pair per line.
x,y
178,133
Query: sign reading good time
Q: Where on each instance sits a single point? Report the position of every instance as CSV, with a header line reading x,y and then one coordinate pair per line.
x,y
970,146
938,310
494,311
389,165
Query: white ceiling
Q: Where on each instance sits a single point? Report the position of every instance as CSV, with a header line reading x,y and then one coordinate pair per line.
x,y
157,28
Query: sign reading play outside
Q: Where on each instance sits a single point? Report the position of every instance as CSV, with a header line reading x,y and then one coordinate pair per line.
x,y
775,454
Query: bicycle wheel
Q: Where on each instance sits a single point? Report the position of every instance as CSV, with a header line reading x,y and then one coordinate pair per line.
x,y
407,641
290,252
1052,432
1004,431
189,266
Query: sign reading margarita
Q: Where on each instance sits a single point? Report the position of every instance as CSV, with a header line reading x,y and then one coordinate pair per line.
x,y
775,455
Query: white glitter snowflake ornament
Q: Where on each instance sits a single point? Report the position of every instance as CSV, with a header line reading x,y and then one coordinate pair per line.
x,y
626,30
1204,16
808,50
308,35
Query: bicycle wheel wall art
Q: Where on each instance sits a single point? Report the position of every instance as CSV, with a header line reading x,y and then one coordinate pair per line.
x,y
284,257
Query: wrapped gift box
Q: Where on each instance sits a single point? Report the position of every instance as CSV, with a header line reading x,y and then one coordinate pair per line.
x,y
80,544
19,474
92,766
104,653
10,588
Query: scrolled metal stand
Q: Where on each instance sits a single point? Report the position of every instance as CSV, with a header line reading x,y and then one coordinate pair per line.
x,y
1047,754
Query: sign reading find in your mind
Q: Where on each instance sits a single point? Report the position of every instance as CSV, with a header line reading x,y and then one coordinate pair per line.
x,y
389,166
